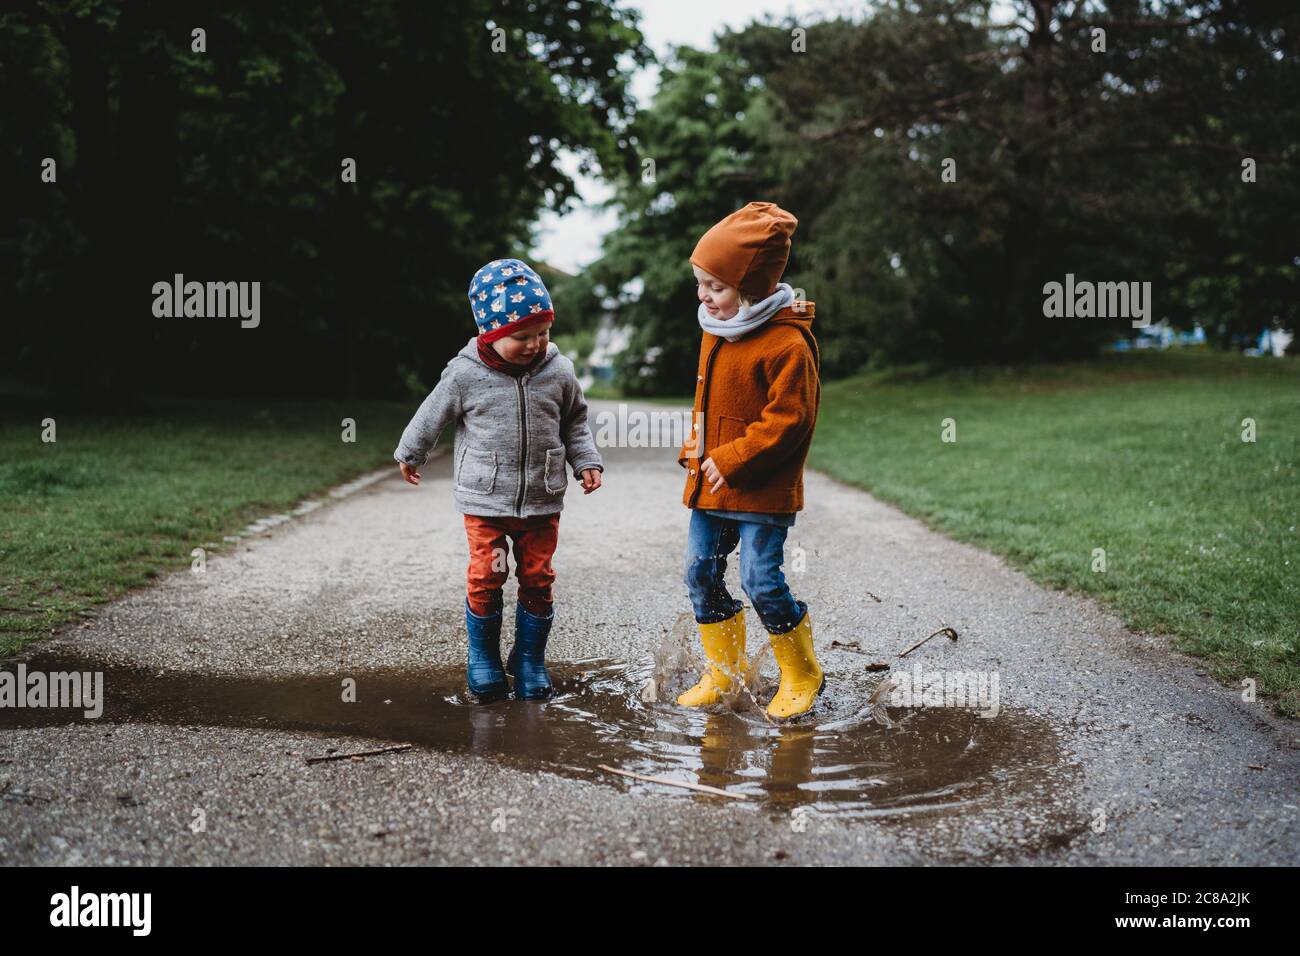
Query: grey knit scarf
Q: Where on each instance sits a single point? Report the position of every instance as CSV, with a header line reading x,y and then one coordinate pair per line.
x,y
749,317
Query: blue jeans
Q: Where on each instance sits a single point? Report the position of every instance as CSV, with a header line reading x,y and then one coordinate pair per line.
x,y
762,549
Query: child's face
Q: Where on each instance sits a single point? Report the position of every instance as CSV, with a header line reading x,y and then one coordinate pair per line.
x,y
722,301
522,347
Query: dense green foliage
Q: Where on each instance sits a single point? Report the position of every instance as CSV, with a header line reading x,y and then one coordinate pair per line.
x,y
1117,165
225,165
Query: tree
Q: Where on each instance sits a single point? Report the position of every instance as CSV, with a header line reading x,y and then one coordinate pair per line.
x,y
1100,139
225,165
693,168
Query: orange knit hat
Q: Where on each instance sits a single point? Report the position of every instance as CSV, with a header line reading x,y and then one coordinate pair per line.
x,y
748,249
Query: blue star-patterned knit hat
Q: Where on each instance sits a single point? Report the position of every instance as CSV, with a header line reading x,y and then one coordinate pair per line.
x,y
505,295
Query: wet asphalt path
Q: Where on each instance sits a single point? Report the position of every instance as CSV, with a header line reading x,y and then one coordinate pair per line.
x,y
1108,748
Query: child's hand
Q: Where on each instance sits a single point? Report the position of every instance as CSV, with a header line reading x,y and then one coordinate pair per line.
x,y
409,473
711,472
590,480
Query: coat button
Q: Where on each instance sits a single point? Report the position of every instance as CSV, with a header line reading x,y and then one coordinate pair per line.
x,y
692,471
699,378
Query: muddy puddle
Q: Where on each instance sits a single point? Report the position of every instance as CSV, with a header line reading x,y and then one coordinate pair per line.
x,y
837,762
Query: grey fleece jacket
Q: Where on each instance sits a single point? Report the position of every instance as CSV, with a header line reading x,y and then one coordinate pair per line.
x,y
513,435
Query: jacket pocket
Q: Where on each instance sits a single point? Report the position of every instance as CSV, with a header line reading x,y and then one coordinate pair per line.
x,y
556,481
476,472
729,429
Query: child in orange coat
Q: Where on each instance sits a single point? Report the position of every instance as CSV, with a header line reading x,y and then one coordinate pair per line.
x,y
756,398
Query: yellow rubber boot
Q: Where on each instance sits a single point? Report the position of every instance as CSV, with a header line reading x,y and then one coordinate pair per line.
x,y
724,646
801,676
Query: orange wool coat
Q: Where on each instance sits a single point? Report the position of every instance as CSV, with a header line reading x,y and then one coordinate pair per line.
x,y
756,400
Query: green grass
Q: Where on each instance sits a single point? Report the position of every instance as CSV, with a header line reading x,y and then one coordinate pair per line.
x,y
119,499
602,391
1140,454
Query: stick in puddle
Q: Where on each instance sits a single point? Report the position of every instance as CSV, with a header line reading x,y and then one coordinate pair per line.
x,y
360,753
702,788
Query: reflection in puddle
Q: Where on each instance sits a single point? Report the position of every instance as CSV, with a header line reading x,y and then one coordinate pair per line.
x,y
838,763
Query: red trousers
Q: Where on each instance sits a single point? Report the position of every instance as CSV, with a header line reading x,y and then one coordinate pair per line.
x,y
534,543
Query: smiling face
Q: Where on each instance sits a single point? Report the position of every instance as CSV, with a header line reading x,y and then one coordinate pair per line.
x,y
720,300
526,344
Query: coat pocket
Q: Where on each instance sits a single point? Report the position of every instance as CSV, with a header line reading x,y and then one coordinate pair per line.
x,y
729,429
556,480
476,473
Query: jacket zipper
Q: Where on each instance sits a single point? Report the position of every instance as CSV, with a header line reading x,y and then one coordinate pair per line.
x,y
523,446
704,416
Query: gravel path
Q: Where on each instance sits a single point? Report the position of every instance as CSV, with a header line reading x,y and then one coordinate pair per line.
x,y
1107,747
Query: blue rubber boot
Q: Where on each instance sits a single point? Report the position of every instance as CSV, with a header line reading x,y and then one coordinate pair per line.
x,y
484,674
527,664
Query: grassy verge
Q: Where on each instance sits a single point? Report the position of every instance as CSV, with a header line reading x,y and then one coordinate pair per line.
x,y
1140,455
118,499
603,392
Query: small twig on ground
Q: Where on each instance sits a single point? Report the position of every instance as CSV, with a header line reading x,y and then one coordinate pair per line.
x,y
853,647
702,788
874,598
361,753
943,630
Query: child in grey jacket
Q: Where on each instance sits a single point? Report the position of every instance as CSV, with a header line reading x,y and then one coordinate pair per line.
x,y
520,417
